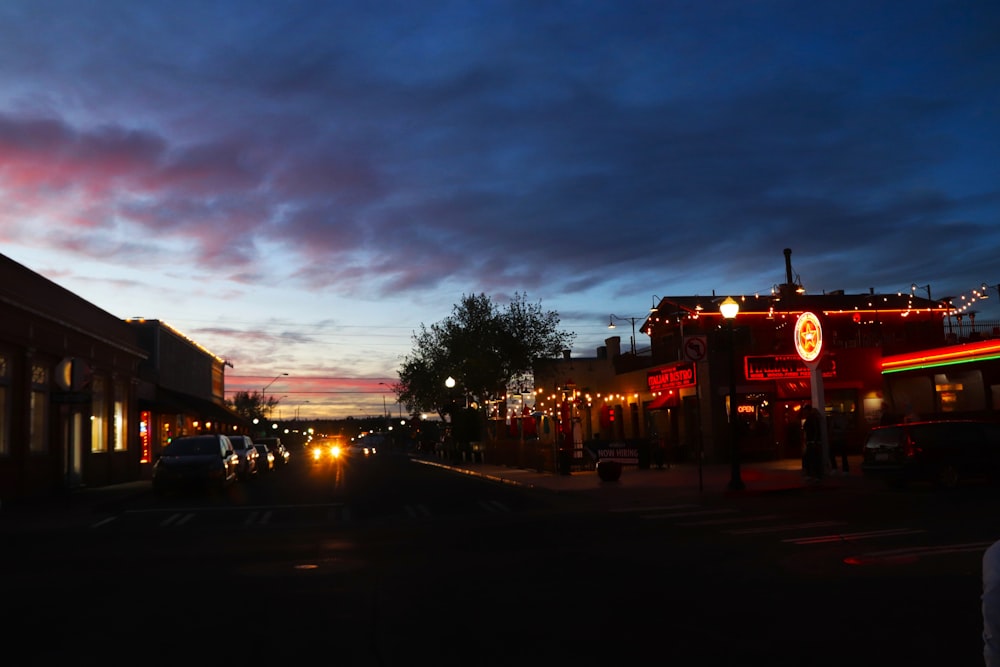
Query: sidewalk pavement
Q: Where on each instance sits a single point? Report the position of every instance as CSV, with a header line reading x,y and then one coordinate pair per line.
x,y
759,477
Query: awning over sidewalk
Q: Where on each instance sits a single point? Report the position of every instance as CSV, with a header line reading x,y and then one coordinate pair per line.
x,y
173,402
668,400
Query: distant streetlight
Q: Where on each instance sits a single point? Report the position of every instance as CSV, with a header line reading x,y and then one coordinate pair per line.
x,y
611,325
271,382
730,308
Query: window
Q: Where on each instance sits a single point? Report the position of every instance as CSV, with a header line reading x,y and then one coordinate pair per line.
x,y
119,418
37,439
98,418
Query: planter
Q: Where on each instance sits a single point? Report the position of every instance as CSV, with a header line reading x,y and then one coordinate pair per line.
x,y
609,471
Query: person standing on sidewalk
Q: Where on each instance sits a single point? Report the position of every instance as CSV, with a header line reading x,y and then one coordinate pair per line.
x,y
812,438
838,440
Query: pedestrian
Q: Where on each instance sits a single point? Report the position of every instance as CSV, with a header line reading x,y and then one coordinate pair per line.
x,y
838,440
991,605
812,442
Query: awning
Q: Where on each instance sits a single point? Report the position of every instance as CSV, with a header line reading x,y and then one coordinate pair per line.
x,y
669,400
173,402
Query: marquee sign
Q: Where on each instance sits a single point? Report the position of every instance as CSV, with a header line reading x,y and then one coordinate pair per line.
x,y
784,367
808,337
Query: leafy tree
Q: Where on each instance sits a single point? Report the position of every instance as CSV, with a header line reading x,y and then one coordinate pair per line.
x,y
252,405
485,348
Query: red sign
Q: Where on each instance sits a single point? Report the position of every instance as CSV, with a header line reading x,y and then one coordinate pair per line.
x,y
672,377
784,367
808,337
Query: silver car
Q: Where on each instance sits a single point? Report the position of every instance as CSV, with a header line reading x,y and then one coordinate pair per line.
x,y
243,445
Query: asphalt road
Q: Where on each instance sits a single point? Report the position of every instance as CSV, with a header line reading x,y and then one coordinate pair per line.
x,y
386,562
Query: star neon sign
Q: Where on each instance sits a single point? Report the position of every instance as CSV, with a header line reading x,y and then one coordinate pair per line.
x,y
808,337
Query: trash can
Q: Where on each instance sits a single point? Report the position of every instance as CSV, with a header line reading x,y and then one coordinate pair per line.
x,y
609,471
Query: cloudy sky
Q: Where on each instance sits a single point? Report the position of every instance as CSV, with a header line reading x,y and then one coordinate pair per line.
x,y
299,185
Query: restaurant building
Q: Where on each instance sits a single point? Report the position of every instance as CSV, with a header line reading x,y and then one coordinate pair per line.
x,y
676,394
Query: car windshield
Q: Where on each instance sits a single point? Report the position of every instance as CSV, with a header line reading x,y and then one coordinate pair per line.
x,y
192,447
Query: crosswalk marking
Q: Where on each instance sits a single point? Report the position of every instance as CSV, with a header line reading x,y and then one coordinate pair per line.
x,y
678,515
417,511
783,527
252,518
493,506
177,519
729,520
653,508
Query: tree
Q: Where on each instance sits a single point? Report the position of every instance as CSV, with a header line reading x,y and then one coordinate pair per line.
x,y
252,405
485,348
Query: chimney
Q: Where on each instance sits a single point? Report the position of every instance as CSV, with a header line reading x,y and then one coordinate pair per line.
x,y
614,345
789,279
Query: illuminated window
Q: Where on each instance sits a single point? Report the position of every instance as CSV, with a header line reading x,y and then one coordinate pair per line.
x,y
98,416
119,424
37,438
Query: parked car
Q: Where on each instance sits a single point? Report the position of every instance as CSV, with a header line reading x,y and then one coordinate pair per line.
x,y
281,454
265,459
945,453
243,445
196,462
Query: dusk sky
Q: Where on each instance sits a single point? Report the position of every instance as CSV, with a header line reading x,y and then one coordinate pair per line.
x,y
298,186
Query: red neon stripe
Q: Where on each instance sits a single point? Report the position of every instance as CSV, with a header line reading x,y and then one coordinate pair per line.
x,y
942,354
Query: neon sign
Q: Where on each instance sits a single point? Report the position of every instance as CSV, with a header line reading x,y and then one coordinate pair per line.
x,y
808,337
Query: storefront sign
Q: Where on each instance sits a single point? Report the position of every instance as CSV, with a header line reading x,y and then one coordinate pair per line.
x,y
808,337
671,377
784,367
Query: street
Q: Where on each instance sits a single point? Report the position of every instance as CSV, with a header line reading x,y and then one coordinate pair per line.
x,y
386,562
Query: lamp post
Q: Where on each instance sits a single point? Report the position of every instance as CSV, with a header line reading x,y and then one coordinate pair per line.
x,y
611,325
262,391
729,309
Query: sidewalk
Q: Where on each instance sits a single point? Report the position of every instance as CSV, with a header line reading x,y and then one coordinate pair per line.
x,y
767,477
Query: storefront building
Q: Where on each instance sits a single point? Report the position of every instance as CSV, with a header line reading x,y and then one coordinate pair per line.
x,y
676,394
68,373
89,399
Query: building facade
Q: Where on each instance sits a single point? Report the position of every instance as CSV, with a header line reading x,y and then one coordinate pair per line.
x,y
68,375
677,394
88,399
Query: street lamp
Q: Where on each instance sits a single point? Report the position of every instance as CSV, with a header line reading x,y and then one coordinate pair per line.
x,y
611,325
270,383
729,309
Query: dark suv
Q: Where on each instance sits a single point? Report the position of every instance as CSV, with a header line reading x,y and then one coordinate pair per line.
x,y
944,452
